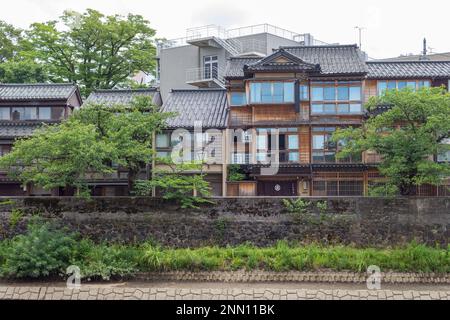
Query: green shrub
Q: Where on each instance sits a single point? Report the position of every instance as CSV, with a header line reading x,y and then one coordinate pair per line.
x,y
296,206
103,261
235,173
42,251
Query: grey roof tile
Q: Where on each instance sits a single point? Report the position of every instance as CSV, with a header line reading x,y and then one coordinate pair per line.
x,y
123,96
17,129
39,91
408,69
235,66
333,59
210,106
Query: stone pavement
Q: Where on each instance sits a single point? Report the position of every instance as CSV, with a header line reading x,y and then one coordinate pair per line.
x,y
101,292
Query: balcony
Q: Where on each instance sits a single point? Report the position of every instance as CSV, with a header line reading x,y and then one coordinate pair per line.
x,y
206,77
231,39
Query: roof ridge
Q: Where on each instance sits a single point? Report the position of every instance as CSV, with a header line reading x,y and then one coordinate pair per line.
x,y
125,90
321,46
37,84
199,90
407,61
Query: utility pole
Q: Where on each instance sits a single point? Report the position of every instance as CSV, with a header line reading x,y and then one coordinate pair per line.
x,y
360,29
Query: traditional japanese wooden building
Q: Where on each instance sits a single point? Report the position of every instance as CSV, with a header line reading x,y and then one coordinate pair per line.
x,y
288,105
116,184
25,107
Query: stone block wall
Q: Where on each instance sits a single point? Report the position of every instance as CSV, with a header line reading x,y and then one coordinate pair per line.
x,y
231,221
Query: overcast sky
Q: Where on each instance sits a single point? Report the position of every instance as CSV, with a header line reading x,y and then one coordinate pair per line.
x,y
393,27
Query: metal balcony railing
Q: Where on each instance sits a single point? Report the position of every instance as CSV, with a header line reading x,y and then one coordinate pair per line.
x,y
205,74
222,33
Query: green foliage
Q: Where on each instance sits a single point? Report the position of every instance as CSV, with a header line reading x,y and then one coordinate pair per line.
x,y
190,190
406,136
322,206
16,64
58,156
87,144
103,261
15,217
42,251
94,50
45,251
221,226
296,206
282,257
235,173
9,38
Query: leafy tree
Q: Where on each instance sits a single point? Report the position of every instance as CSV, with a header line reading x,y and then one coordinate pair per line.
x,y
17,64
190,190
94,50
132,134
407,136
88,143
9,39
59,156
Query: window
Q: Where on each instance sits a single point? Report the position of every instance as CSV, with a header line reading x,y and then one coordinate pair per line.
x,y
343,108
272,92
162,140
343,93
211,67
355,93
304,92
444,156
45,113
240,158
4,149
355,108
424,84
334,94
329,93
162,154
401,84
317,94
323,149
5,113
30,113
293,142
18,113
261,142
238,99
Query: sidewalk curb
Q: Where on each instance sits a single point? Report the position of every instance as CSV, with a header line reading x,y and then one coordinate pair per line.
x,y
292,276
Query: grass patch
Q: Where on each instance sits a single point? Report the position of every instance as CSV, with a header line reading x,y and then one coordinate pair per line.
x,y
47,251
282,257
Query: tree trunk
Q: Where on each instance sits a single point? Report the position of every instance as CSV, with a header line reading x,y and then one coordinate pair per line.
x,y
132,174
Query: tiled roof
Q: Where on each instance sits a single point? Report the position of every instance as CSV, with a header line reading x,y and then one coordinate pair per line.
x,y
408,69
209,106
123,96
17,129
333,59
39,91
289,62
235,66
443,56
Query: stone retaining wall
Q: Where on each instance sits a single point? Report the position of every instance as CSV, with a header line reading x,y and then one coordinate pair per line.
x,y
293,276
262,221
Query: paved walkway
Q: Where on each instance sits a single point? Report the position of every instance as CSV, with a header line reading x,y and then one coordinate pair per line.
x,y
219,291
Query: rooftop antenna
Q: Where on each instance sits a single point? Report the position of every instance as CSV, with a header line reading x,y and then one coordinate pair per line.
x,y
360,29
424,46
